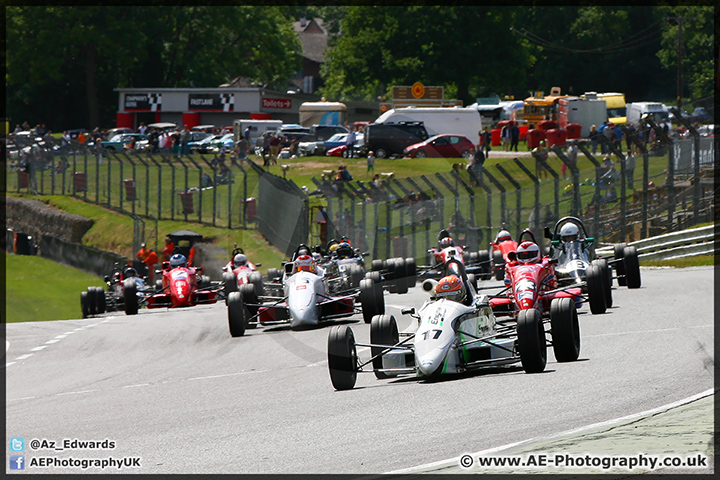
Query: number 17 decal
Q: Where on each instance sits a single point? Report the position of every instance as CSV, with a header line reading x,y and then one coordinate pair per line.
x,y
436,335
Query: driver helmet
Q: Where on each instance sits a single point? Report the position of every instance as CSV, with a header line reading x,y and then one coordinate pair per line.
x,y
569,232
178,260
239,260
528,252
303,251
344,250
333,247
446,242
305,263
130,272
450,287
502,236
345,239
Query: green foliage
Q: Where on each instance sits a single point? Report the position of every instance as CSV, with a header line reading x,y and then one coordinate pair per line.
x,y
61,59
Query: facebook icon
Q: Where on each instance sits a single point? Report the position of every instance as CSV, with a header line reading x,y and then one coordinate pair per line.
x,y
17,462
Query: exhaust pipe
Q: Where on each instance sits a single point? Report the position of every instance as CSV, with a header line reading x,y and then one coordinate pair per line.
x,y
429,285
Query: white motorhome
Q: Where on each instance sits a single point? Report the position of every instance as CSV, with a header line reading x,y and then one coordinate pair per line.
x,y
458,120
656,110
257,128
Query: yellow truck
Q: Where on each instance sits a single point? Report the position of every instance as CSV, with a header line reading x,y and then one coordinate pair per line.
x,y
615,103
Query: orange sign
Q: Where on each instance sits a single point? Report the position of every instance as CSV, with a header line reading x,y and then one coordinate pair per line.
x,y
418,90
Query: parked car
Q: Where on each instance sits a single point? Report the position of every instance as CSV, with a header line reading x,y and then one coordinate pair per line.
x,y
341,150
225,141
201,146
123,141
444,146
389,139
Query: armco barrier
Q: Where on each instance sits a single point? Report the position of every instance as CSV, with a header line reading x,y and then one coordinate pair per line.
x,y
687,243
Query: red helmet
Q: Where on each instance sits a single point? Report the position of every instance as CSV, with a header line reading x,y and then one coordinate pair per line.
x,y
528,252
446,242
450,287
305,263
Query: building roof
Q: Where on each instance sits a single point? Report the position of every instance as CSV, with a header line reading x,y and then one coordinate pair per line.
x,y
313,38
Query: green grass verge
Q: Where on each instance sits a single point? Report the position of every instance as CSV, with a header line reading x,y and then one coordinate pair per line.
x,y
39,289
113,231
696,261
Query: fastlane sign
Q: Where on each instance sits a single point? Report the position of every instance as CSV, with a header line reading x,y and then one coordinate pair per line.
x,y
211,102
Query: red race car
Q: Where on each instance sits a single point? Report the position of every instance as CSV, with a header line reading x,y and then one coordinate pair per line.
x,y
239,271
182,286
476,263
533,297
499,250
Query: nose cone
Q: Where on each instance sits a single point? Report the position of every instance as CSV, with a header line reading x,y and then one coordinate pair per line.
x,y
431,362
304,311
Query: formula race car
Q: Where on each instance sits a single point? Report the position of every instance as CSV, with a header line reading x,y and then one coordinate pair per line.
x,y
499,250
344,266
97,300
476,263
239,271
182,286
306,300
577,262
456,331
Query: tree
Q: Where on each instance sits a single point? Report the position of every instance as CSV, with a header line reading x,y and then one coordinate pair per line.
x,y
464,49
63,63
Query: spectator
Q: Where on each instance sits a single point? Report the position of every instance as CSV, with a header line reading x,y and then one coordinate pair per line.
x,y
593,135
540,153
142,128
486,141
168,250
514,136
17,128
274,143
371,162
184,139
475,165
266,149
630,169
65,139
631,136
505,137
617,140
350,143
572,154
344,174
149,258
246,134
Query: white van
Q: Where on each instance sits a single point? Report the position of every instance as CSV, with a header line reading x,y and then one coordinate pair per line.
x,y
458,120
257,128
656,110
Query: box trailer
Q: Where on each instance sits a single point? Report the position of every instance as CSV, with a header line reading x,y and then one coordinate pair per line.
x,y
584,111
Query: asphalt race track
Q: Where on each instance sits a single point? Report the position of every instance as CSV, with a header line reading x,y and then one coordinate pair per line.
x,y
172,388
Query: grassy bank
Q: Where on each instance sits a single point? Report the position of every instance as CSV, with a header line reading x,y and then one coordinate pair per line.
x,y
38,289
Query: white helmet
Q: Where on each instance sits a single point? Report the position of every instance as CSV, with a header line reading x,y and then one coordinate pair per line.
x,y
239,260
502,236
569,232
528,252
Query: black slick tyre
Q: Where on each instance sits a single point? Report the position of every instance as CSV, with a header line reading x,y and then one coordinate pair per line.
x,y
531,343
250,301
498,266
411,267
565,329
483,257
632,267
130,296
342,357
84,304
383,331
607,280
595,290
236,315
618,252
368,299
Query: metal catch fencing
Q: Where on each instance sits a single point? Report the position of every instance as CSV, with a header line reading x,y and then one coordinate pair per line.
x,y
670,189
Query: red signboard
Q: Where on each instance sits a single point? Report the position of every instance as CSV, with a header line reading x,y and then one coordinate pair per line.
x,y
276,103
